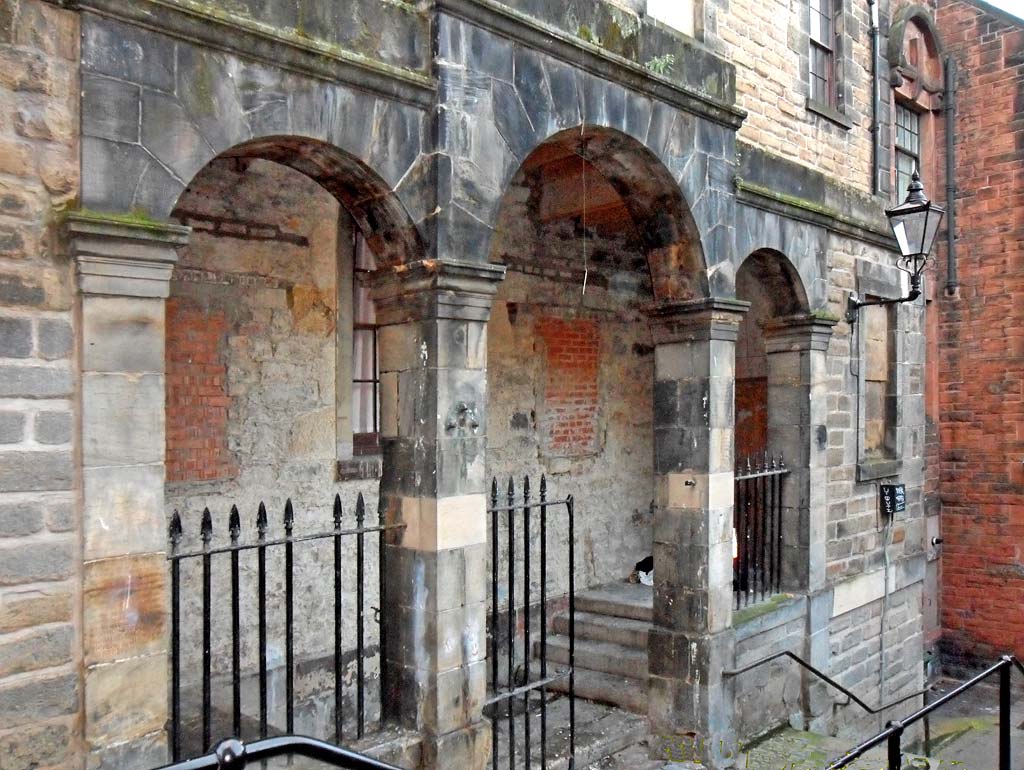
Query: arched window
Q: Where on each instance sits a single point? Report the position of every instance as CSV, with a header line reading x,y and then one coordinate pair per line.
x,y
915,69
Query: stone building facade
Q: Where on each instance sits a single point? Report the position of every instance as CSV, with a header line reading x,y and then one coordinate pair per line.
x,y
609,245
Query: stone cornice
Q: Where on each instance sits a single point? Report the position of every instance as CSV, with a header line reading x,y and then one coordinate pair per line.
x,y
714,318
810,212
123,256
802,332
207,25
433,288
530,32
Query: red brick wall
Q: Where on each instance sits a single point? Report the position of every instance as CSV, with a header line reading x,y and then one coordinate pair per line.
x,y
197,396
572,348
981,345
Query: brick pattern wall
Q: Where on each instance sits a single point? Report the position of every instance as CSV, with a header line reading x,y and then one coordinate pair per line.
x,y
569,422
197,395
981,349
39,649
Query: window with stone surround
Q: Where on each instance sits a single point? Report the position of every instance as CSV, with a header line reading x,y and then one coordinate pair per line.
x,y
908,147
879,382
824,37
916,72
365,357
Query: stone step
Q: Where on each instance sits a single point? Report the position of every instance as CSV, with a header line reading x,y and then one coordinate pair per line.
x,y
605,628
606,657
622,600
601,731
622,691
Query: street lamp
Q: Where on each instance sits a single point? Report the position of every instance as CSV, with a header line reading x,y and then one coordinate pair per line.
x,y
915,223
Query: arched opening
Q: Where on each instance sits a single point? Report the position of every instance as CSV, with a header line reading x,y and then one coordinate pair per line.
x,y
593,231
770,283
273,394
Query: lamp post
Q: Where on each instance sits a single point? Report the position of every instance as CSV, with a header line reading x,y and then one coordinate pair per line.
x,y
915,223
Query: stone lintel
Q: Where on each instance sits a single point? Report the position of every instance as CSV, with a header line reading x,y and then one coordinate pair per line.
x,y
436,289
714,318
123,257
799,332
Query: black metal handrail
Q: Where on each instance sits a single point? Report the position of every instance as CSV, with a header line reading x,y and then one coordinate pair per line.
x,y
893,733
827,679
233,754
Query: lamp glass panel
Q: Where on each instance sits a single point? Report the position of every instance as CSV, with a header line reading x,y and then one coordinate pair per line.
x,y
907,232
931,229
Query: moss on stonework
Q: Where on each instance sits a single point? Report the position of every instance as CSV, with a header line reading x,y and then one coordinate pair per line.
x,y
301,39
137,217
825,315
748,614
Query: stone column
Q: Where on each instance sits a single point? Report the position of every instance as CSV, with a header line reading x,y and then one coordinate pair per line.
x,y
124,268
797,349
692,642
433,358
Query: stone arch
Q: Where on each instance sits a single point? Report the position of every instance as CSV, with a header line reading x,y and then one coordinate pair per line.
x,y
779,280
928,71
376,210
653,200
368,149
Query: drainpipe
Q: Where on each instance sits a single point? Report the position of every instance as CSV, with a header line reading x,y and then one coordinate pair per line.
x,y
949,107
876,125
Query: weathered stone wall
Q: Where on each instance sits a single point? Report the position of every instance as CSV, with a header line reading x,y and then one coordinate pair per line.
x,y
40,588
611,473
771,695
855,534
768,43
860,638
251,403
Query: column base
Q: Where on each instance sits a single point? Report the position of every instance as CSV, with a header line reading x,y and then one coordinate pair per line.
x,y
691,704
466,749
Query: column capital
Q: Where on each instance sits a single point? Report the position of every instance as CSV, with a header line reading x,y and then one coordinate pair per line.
x,y
123,256
713,318
798,332
436,289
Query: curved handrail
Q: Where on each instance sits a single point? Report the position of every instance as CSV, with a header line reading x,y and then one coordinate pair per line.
x,y
233,754
894,730
827,679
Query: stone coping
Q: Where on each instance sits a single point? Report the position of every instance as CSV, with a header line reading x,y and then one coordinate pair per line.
x,y
764,616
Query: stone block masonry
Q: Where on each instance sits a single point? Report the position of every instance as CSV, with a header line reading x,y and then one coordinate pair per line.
x,y
981,345
39,554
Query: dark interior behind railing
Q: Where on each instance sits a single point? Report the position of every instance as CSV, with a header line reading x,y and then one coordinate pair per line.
x,y
758,525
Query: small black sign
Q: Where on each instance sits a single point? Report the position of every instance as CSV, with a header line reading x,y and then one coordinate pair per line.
x,y
893,499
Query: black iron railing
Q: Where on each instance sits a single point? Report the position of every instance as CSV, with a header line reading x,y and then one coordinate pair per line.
x,y
233,754
215,610
892,735
823,677
504,512
757,566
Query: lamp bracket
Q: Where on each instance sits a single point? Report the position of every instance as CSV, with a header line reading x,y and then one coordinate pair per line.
x,y
853,303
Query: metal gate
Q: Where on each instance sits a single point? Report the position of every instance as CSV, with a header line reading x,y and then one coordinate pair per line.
x,y
758,527
529,538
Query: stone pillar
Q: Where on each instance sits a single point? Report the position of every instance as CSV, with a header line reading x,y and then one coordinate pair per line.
x,y
433,358
692,642
797,349
124,269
